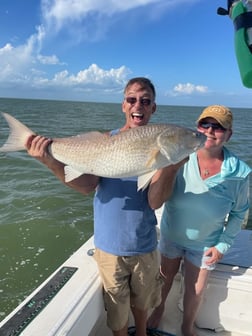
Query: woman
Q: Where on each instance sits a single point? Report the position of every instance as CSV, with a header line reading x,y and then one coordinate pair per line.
x,y
203,215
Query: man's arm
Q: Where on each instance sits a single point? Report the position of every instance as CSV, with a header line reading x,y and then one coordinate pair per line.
x,y
37,148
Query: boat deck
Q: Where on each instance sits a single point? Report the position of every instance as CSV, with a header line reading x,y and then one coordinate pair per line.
x,y
171,320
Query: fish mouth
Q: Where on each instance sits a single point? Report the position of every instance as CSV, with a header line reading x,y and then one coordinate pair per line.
x,y
136,115
203,139
198,147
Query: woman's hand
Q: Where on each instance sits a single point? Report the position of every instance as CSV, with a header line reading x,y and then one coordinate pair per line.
x,y
214,256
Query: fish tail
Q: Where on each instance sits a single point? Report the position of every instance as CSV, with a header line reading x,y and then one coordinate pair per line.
x,y
18,136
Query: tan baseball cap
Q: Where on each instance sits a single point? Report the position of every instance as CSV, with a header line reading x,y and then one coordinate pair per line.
x,y
219,112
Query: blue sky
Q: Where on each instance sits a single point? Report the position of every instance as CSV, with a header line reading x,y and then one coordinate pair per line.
x,y
86,50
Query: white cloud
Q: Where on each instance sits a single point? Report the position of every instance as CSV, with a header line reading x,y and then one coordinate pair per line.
x,y
61,11
92,77
15,62
53,59
7,48
188,89
91,19
96,75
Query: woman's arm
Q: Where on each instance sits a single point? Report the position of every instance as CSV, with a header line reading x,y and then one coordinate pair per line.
x,y
162,183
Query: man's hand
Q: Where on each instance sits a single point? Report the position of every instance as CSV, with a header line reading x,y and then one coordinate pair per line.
x,y
37,147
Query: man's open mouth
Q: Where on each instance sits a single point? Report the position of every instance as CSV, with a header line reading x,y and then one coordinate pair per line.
x,y
137,115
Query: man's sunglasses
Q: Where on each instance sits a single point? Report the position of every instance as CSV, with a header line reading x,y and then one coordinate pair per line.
x,y
214,126
143,101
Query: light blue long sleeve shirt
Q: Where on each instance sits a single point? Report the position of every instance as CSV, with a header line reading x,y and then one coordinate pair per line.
x,y
205,213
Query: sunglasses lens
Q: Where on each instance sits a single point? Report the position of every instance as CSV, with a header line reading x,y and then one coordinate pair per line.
x,y
131,100
216,127
143,101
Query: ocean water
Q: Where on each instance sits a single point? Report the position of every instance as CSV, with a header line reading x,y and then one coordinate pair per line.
x,y
42,222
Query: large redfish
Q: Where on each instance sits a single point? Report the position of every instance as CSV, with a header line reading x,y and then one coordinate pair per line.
x,y
138,151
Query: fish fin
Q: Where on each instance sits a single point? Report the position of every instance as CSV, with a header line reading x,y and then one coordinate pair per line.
x,y
153,157
144,180
163,149
18,136
167,154
71,173
89,136
92,135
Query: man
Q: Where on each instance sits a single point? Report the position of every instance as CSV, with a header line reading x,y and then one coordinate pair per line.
x,y
124,221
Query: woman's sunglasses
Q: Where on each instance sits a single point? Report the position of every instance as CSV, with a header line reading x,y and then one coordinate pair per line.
x,y
214,126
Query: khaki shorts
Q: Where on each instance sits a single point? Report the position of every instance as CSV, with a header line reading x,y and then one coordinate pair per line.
x,y
133,281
